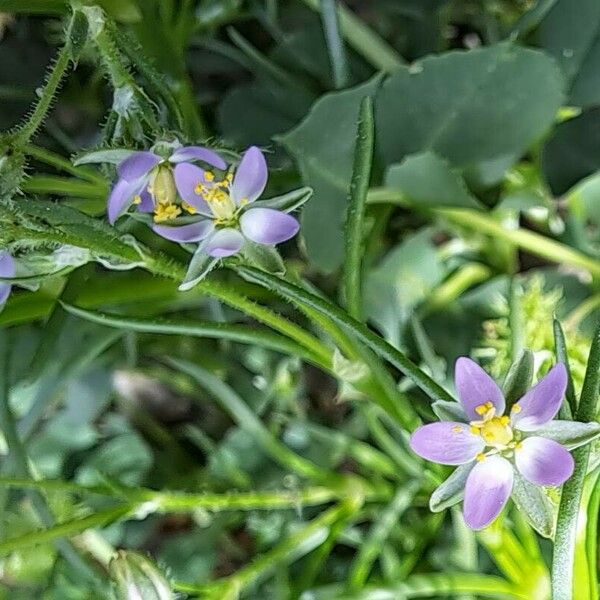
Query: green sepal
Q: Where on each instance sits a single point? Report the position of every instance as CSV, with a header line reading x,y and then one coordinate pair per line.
x,y
535,505
570,434
287,202
200,266
449,411
518,379
452,490
77,34
264,257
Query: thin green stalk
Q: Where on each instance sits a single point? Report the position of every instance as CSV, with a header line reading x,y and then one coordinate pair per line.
x,y
569,405
356,329
585,309
568,513
56,160
203,329
335,45
371,547
65,186
359,186
58,70
515,318
363,39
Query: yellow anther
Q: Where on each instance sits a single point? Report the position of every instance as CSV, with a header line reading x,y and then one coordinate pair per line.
x,y
504,420
189,208
137,199
518,445
474,430
209,176
166,212
481,409
457,429
199,189
244,201
480,457
516,409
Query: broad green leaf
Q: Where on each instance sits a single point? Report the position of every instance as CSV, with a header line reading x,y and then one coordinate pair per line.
x,y
571,434
402,280
469,106
429,181
449,411
518,379
452,490
325,161
534,504
572,37
573,151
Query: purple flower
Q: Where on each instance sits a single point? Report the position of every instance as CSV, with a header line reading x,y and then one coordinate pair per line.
x,y
229,213
146,180
489,445
7,269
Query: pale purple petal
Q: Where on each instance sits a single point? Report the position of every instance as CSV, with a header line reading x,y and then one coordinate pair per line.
x,y
7,269
188,153
476,387
187,178
544,462
137,165
268,226
250,177
224,242
194,232
446,443
147,204
487,490
122,197
541,403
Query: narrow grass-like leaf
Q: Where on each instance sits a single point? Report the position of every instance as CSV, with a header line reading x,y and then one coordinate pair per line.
x,y
358,330
359,186
187,327
335,44
566,527
569,405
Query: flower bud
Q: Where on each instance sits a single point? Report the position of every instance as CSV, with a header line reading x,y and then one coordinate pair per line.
x,y
162,185
138,578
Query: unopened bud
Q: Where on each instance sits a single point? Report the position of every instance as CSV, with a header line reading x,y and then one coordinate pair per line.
x,y
162,185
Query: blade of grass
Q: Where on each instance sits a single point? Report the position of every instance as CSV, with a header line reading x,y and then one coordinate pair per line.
x,y
335,44
354,230
568,513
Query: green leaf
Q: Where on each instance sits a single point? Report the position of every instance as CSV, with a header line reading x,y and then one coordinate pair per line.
x,y
286,202
569,405
573,151
496,101
534,505
570,434
518,379
429,181
354,229
449,411
572,37
452,490
264,257
402,280
112,156
326,165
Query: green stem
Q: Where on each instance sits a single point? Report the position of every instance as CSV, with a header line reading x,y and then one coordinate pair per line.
x,y
356,329
335,45
359,186
363,39
568,513
26,131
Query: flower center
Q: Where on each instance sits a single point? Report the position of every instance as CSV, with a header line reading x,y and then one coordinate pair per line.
x,y
217,196
162,188
495,431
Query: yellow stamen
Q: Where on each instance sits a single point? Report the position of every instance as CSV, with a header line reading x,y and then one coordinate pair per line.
x,y
209,176
480,457
166,212
137,199
504,420
474,430
516,409
481,409
189,208
457,429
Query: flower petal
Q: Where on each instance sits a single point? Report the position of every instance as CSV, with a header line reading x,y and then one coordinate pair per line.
x,y
224,242
446,443
122,196
137,165
187,177
487,490
188,153
147,204
544,462
250,177
541,403
7,269
268,226
194,232
476,387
